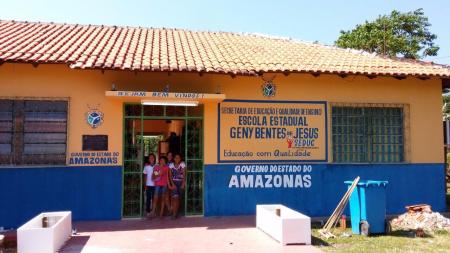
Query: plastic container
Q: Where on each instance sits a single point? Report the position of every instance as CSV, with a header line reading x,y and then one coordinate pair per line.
x,y
368,207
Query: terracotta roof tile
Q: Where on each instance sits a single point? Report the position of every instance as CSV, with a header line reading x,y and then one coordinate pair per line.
x,y
152,49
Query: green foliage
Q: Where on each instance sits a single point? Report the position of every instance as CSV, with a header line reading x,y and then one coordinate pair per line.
x,y
446,107
397,34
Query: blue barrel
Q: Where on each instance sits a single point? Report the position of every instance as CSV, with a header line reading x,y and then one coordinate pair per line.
x,y
368,205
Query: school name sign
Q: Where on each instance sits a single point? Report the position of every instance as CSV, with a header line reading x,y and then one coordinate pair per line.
x,y
272,131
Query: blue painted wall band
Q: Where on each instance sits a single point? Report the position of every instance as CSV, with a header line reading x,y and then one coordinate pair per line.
x,y
91,192
94,193
326,189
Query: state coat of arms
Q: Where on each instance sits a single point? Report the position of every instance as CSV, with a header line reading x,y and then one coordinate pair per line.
x,y
94,117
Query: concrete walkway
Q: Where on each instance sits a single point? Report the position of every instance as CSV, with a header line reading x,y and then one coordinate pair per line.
x,y
194,234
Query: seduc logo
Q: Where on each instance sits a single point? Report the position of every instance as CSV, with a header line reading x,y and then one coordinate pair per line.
x,y
269,89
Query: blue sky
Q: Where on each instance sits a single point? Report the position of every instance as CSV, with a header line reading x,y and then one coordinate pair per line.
x,y
305,20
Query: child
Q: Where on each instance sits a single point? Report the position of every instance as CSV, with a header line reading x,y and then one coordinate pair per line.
x,y
169,158
176,183
161,177
167,201
148,181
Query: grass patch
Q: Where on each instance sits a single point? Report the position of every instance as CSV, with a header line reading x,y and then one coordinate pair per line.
x,y
398,241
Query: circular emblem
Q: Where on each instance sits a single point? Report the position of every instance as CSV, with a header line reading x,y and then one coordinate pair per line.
x,y
269,89
94,118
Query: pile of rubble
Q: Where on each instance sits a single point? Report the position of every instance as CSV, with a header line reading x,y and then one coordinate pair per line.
x,y
420,218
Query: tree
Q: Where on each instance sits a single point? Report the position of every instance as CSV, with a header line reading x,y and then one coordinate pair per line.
x,y
399,34
446,107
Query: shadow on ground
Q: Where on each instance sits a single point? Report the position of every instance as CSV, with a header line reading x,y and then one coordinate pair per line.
x,y
317,241
166,223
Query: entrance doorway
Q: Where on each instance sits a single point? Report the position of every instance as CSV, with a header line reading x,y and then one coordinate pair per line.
x,y
160,129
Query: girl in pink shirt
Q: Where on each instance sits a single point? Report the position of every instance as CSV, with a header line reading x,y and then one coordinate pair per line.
x,y
161,178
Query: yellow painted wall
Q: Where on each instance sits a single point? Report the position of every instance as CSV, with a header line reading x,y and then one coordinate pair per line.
x,y
87,87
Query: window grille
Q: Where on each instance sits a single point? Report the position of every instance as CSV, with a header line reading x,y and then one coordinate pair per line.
x,y
33,132
367,134
6,131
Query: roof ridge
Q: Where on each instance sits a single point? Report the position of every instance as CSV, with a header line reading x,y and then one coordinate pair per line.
x,y
254,34
120,26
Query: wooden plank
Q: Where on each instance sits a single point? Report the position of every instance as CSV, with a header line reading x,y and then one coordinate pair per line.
x,y
340,207
45,106
5,138
335,212
44,138
41,148
6,126
45,127
46,116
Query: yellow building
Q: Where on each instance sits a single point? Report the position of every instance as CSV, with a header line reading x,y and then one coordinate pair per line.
x,y
256,119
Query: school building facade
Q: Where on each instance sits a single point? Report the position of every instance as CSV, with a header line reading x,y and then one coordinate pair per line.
x,y
258,120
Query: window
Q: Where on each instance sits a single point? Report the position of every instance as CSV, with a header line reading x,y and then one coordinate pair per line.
x,y
367,134
6,130
33,132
